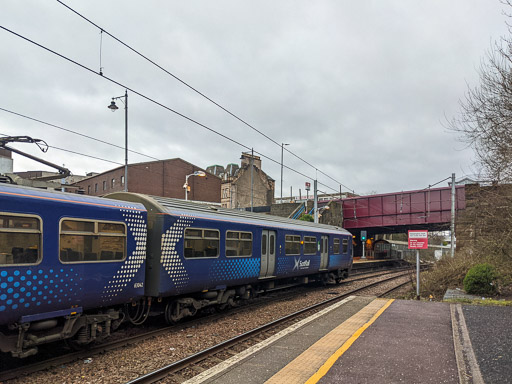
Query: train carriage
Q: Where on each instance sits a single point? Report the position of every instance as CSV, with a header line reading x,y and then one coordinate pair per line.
x,y
75,267
202,254
62,255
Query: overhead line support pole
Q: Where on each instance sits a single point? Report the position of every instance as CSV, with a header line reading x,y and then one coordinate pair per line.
x,y
452,224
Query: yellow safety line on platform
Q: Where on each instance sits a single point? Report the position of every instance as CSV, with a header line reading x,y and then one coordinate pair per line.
x,y
330,362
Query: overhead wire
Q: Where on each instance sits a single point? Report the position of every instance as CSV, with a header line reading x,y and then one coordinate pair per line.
x,y
75,133
158,103
102,30
76,153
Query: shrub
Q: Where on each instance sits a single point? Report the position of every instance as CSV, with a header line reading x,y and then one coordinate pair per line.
x,y
481,279
307,217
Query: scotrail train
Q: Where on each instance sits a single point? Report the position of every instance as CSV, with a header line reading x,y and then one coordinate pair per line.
x,y
74,267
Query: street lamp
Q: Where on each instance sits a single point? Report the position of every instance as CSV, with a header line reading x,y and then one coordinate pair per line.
x,y
196,173
113,107
282,150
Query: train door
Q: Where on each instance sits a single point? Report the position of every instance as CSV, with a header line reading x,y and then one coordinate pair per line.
x,y
268,253
324,252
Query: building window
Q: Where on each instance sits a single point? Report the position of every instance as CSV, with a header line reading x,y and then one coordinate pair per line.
x,y
309,245
96,187
20,239
92,241
122,180
112,183
88,189
292,245
104,185
201,242
238,244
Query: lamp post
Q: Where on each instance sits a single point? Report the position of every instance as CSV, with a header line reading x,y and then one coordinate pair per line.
x,y
196,173
282,150
113,107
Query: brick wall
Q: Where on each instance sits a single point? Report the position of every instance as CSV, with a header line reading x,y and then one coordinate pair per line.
x,y
159,178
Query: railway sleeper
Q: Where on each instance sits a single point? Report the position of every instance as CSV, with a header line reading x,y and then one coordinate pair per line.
x,y
81,329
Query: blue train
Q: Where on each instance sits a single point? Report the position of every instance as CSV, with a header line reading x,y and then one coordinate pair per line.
x,y
74,267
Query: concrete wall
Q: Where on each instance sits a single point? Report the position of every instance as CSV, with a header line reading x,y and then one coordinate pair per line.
x,y
283,210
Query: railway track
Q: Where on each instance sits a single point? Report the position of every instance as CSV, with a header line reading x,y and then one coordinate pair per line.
x,y
180,370
134,339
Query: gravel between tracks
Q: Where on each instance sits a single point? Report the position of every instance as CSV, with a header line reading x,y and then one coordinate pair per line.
x,y
130,362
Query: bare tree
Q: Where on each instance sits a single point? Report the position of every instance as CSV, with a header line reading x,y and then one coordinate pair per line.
x,y
485,119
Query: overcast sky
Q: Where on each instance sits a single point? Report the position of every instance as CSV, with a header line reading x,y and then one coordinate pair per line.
x,y
359,89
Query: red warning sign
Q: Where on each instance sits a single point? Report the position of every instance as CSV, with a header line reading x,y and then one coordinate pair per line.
x,y
418,239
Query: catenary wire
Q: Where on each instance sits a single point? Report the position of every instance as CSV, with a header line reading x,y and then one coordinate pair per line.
x,y
76,153
74,132
102,30
158,103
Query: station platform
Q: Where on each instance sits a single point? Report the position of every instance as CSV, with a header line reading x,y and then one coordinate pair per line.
x,y
369,340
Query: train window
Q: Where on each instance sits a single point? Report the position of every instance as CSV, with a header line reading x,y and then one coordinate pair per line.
x,y
345,245
201,242
336,246
20,239
292,245
272,244
110,228
91,241
77,226
238,244
264,244
309,245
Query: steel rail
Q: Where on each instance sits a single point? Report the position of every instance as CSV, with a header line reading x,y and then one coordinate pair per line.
x,y
180,365
112,345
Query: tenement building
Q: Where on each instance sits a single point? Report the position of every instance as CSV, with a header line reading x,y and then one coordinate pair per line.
x,y
236,185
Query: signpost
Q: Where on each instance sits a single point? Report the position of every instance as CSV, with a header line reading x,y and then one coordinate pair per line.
x,y
363,243
418,239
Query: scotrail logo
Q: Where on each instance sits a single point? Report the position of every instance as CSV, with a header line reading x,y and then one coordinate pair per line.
x,y
299,264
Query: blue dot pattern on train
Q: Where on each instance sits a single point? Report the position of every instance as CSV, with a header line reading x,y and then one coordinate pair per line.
x,y
284,265
234,269
33,288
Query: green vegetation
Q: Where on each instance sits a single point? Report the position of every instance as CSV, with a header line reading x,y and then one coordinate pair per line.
x,y
450,273
307,217
501,303
481,279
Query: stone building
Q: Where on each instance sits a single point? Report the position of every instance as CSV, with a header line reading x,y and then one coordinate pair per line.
x,y
5,161
159,178
236,183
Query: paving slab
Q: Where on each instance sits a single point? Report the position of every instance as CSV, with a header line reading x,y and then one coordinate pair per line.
x,y
411,342
261,365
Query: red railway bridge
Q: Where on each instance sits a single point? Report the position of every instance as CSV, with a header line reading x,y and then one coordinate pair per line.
x,y
398,212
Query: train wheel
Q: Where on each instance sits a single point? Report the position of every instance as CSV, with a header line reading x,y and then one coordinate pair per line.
x,y
172,313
